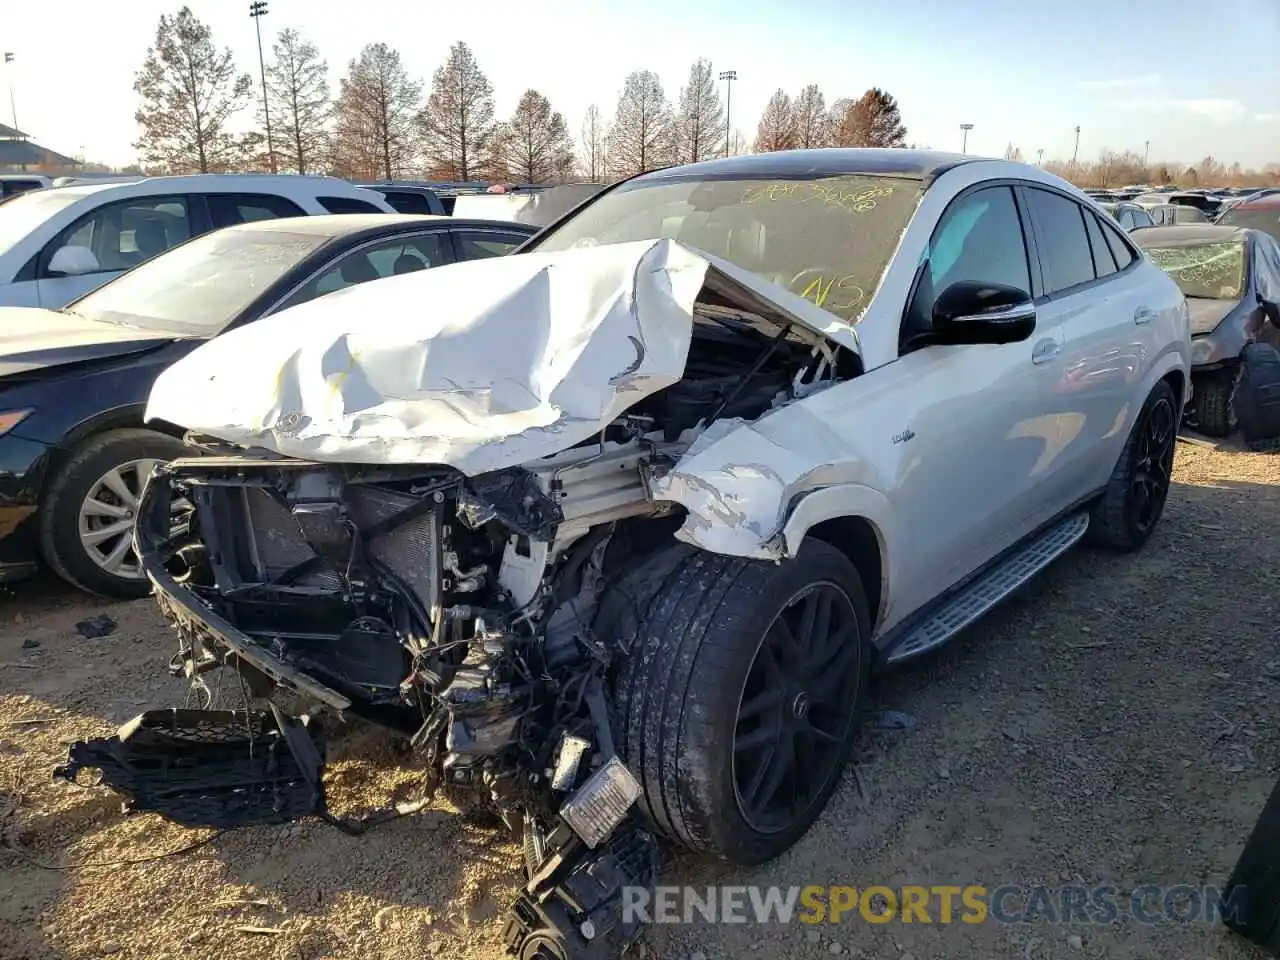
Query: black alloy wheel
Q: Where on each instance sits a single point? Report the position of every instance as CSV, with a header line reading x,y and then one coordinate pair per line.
x,y
796,708
1153,465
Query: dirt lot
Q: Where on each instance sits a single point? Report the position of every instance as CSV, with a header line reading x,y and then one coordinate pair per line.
x,y
1116,724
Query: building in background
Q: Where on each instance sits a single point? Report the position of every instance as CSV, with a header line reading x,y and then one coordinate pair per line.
x,y
20,154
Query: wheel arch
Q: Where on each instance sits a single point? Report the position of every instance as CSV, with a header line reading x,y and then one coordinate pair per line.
x,y
858,521
126,416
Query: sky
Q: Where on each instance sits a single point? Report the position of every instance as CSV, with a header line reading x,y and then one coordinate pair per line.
x,y
1192,78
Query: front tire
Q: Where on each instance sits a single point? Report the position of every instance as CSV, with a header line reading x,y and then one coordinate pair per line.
x,y
1133,502
1213,407
739,700
86,528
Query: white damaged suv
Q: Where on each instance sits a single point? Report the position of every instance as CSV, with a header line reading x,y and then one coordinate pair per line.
x,y
614,529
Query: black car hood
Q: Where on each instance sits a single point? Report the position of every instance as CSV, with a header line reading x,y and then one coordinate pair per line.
x,y
33,339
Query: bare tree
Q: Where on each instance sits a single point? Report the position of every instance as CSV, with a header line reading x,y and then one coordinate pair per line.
x,y
777,128
738,143
298,95
873,120
1013,153
534,145
375,114
810,111
189,89
457,121
594,136
641,138
700,119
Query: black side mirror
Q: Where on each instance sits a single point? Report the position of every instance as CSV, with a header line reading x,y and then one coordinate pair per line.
x,y
968,312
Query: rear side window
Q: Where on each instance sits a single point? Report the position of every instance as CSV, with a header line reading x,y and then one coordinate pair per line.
x,y
407,202
1119,249
1140,219
1064,245
12,187
1104,263
477,246
228,209
347,205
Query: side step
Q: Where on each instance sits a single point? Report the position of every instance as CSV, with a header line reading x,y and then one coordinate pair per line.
x,y
990,587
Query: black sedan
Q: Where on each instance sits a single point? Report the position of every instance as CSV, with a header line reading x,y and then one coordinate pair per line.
x,y
1231,279
74,383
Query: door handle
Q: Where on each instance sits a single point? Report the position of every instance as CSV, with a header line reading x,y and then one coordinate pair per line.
x,y
1143,315
1045,350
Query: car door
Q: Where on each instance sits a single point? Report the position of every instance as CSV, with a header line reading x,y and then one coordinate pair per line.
x,y
1094,295
374,260
111,239
974,441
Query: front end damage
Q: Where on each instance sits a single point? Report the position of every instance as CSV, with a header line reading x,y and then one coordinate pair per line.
x,y
467,611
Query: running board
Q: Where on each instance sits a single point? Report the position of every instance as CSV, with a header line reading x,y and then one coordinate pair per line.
x,y
976,598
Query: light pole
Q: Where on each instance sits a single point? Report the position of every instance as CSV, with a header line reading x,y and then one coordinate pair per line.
x,y
13,104
964,143
1146,153
257,10
1076,151
1040,157
728,76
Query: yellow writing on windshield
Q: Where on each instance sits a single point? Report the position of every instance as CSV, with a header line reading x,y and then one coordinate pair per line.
x,y
851,200
848,295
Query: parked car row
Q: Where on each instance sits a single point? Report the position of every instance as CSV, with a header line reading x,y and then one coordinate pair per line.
x,y
75,376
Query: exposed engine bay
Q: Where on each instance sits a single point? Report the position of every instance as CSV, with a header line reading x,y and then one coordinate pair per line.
x,y
472,615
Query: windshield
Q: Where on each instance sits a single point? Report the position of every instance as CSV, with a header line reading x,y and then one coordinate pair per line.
x,y
1266,220
196,289
1209,271
25,212
827,240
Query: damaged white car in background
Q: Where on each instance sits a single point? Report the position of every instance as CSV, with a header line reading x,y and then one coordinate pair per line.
x,y
614,529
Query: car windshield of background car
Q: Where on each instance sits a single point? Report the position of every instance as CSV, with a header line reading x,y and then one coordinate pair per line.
x,y
196,289
1209,271
827,240
25,212
1257,218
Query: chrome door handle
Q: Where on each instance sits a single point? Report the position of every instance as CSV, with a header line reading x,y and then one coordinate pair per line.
x,y
1143,315
1044,351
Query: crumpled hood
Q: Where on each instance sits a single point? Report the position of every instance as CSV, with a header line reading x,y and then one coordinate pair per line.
x,y
479,365
33,339
1207,314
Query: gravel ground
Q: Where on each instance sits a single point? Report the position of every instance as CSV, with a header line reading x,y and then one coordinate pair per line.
x,y
1114,724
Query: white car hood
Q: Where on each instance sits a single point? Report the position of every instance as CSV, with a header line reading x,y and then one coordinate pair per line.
x,y
480,365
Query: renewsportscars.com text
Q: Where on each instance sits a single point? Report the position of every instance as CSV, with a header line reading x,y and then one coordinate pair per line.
x,y
937,904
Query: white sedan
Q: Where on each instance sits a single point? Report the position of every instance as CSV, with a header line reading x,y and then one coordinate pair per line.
x,y
632,513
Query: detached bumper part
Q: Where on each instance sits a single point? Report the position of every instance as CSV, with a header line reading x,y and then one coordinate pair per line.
x,y
210,768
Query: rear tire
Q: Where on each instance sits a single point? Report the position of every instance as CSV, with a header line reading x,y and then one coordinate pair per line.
x,y
1133,502
1214,412
85,500
708,712
1256,881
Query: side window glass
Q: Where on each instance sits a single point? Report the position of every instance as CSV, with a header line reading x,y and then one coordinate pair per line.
x,y
228,209
1104,263
1126,219
477,246
347,205
408,202
979,238
1119,249
123,235
1064,245
1140,219
387,258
